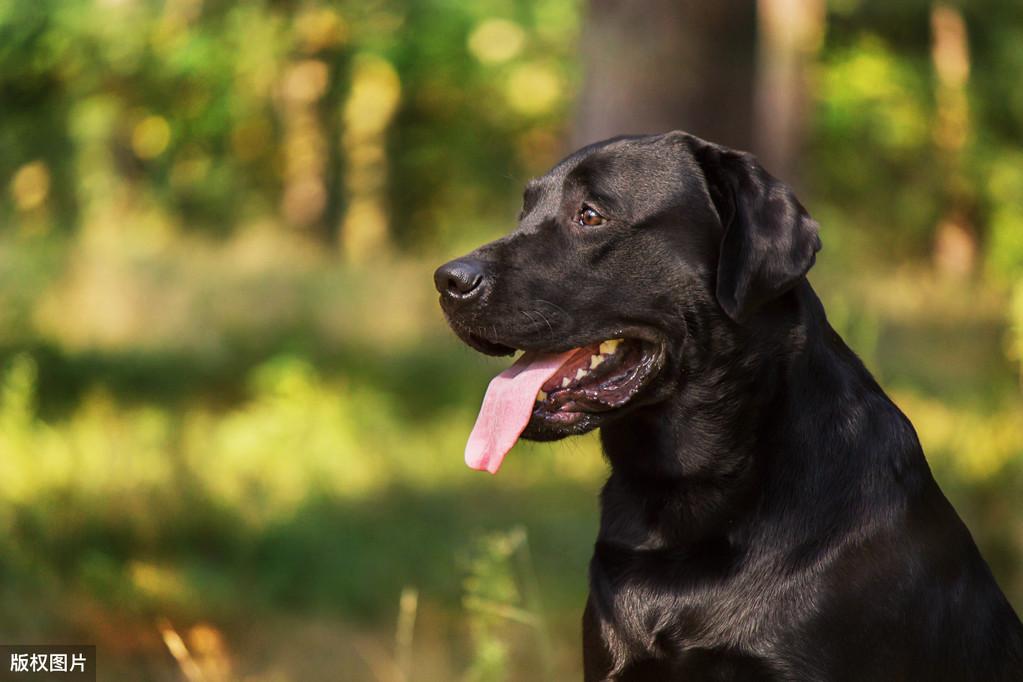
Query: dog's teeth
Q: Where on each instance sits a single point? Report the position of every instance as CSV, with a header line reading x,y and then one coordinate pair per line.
x,y
541,396
595,361
580,373
565,382
609,346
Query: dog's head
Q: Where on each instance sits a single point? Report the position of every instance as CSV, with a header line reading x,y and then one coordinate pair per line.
x,y
625,253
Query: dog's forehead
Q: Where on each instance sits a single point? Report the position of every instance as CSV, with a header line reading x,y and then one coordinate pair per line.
x,y
616,154
623,166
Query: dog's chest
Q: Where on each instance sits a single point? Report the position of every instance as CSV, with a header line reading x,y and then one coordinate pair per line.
x,y
656,605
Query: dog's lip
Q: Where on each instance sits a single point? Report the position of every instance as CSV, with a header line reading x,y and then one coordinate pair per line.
x,y
486,346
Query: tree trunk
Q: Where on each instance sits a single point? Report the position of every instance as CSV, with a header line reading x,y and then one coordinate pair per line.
x,y
789,35
660,65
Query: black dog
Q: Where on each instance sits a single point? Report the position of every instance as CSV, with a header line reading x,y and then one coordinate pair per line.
x,y
770,514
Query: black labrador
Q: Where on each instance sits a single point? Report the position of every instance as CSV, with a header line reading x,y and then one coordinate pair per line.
x,y
769,513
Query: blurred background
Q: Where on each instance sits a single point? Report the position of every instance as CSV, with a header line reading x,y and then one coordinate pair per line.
x,y
231,416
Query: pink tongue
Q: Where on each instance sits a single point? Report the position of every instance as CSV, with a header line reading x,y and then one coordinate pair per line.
x,y
507,407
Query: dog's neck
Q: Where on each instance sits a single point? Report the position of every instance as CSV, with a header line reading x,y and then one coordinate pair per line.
x,y
689,461
725,386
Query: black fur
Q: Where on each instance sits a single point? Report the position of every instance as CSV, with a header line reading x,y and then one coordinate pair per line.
x,y
769,513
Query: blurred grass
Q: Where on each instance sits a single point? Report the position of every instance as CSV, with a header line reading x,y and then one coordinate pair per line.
x,y
295,458
225,469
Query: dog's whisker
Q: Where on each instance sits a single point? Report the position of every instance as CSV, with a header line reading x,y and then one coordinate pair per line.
x,y
533,321
553,305
544,318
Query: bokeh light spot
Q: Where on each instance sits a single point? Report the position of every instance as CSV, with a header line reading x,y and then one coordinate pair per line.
x,y
150,137
321,28
533,89
375,92
306,81
30,185
496,40
304,200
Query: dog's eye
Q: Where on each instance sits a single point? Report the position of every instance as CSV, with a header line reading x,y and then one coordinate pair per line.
x,y
587,217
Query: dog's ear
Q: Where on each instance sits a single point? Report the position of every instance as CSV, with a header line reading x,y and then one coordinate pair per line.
x,y
769,242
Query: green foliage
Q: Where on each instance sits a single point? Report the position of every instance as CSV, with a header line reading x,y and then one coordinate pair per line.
x,y
872,150
500,597
184,107
1016,321
1005,192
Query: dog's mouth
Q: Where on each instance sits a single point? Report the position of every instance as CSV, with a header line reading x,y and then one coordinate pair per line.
x,y
559,390
596,378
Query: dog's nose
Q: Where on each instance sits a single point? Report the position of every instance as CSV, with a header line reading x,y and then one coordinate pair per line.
x,y
461,279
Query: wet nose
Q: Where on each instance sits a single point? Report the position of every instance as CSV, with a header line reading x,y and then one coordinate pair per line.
x,y
460,279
